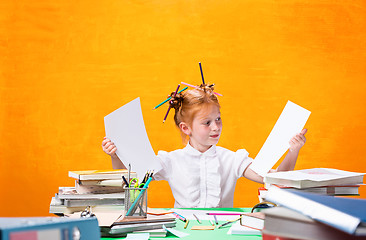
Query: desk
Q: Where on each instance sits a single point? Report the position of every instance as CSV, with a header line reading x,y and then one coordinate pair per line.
x,y
215,234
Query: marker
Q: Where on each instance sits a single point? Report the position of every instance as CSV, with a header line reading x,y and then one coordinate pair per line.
x,y
196,218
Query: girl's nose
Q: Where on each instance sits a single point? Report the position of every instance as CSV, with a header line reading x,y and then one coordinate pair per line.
x,y
215,126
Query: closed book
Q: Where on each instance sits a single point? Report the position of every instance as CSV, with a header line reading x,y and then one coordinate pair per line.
x,y
249,224
131,224
93,202
118,229
315,177
345,214
101,174
340,190
46,228
289,224
271,236
71,193
85,189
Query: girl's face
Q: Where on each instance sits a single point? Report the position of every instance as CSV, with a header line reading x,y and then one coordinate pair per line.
x,y
206,128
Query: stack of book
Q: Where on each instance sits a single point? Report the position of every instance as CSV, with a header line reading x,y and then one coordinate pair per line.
x,y
310,216
102,190
152,224
323,181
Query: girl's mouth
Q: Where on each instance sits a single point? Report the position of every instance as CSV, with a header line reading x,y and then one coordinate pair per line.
x,y
215,136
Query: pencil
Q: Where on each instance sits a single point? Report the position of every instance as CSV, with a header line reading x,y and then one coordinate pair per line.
x,y
224,214
166,115
203,80
228,222
168,98
196,218
216,220
185,226
179,217
190,85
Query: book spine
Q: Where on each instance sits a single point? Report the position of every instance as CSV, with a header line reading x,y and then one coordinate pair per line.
x,y
315,210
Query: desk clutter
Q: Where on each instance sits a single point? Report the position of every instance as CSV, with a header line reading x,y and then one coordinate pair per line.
x,y
102,190
290,209
305,212
118,205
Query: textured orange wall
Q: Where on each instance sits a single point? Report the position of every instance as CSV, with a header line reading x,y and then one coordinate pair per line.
x,y
64,65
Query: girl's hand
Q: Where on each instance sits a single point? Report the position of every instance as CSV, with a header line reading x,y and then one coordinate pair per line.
x,y
109,147
298,141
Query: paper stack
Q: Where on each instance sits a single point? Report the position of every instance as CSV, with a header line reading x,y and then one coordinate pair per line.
x,y
102,190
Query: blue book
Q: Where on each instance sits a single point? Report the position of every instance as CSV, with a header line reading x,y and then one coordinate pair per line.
x,y
46,228
345,214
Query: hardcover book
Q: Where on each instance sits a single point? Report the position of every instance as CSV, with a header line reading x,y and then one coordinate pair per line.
x,y
345,214
315,177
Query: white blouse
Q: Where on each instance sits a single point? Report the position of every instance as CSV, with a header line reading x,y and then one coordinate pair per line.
x,y
202,180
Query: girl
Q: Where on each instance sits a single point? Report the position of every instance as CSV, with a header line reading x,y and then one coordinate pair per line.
x,y
202,174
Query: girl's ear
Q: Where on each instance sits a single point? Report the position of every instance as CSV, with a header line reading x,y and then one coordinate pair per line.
x,y
185,128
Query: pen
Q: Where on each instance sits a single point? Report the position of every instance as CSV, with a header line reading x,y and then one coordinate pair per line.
x,y
224,224
196,218
212,223
216,220
179,217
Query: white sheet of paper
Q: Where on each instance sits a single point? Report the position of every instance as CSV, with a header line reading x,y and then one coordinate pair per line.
x,y
291,121
175,232
125,127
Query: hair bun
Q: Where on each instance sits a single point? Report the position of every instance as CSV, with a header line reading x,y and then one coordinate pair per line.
x,y
176,102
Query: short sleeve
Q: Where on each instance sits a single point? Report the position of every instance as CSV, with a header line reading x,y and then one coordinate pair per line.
x,y
243,160
163,157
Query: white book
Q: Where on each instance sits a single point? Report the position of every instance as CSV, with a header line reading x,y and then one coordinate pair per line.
x,y
249,224
71,193
315,177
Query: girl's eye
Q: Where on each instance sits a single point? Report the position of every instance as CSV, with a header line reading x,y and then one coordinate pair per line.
x,y
208,122
218,119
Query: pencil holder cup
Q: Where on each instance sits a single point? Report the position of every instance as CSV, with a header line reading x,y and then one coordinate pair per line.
x,y
135,202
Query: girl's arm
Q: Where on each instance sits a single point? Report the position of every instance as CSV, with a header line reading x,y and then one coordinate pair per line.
x,y
110,149
287,164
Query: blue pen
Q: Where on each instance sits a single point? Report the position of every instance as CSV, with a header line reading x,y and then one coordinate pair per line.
x,y
130,212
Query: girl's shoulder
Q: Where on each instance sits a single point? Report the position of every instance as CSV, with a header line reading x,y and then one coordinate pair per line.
x,y
227,152
171,154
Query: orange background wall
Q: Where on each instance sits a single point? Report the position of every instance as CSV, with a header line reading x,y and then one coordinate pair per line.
x,y
64,65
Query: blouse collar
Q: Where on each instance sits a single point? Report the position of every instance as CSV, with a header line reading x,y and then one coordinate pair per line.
x,y
194,152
